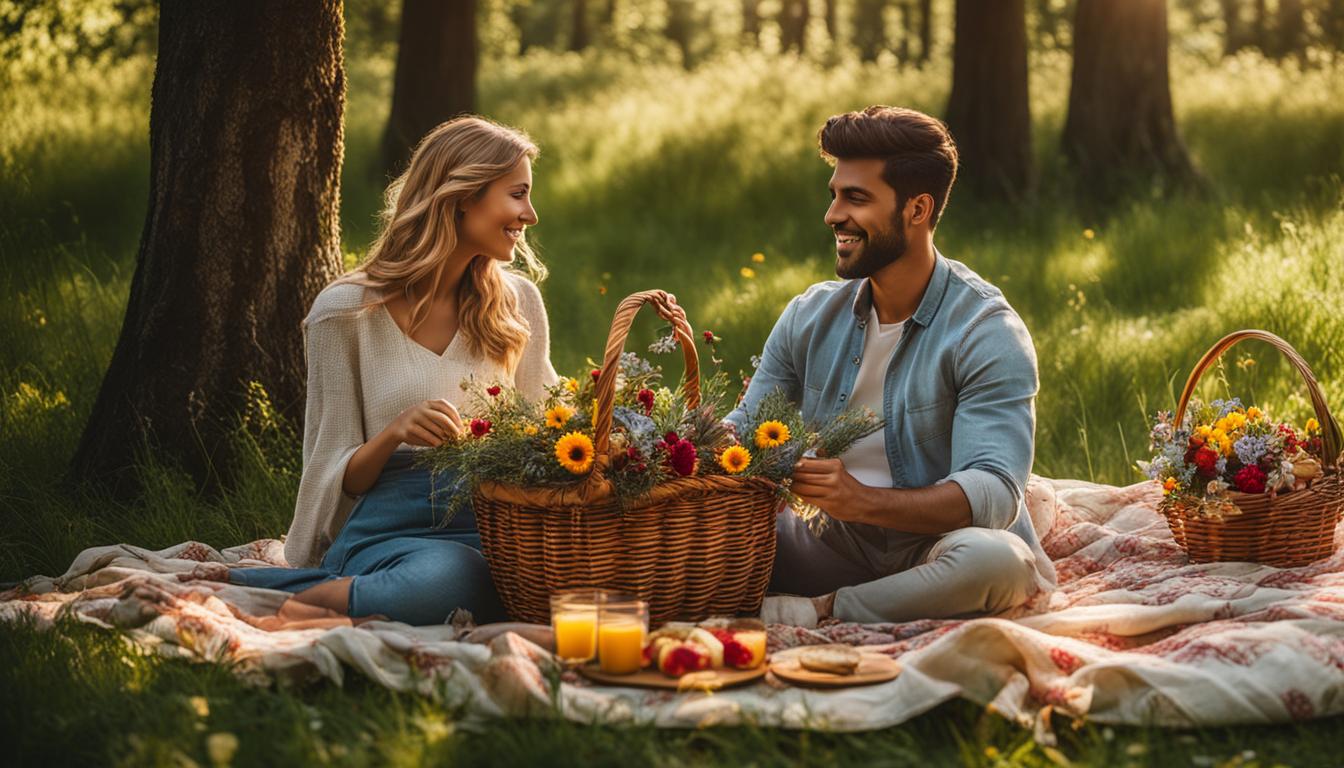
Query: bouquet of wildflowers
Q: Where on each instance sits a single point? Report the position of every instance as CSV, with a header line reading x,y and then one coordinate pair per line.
x,y
1222,447
656,435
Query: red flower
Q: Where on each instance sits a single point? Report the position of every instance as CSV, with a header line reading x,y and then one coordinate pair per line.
x,y
671,439
682,458
493,391
597,373
645,398
709,337
480,427
1207,462
1250,480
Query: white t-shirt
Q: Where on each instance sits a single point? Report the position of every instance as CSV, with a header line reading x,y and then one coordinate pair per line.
x,y
866,459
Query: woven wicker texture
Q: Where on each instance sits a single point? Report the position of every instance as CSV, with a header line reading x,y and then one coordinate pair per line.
x,y
1285,530
693,547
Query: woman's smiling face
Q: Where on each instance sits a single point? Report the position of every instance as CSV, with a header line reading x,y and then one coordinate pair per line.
x,y
493,223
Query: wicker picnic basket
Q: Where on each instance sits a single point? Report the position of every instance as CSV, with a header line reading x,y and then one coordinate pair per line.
x,y
1285,530
693,547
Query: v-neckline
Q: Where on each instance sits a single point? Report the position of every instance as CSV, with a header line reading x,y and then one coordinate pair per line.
x,y
439,355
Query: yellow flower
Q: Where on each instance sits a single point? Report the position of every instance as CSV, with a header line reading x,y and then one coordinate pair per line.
x,y
759,258
771,434
574,451
1168,486
1088,234
1204,430
1313,426
735,459
571,384
1224,442
530,429
747,272
1254,413
557,416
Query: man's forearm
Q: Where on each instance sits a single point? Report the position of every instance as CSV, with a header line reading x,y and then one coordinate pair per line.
x,y
932,510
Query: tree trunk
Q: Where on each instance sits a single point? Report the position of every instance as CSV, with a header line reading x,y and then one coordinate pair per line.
x,y
925,30
609,14
751,21
1120,120
870,30
436,74
793,18
680,28
1260,31
242,232
907,11
988,111
1290,31
1234,38
1332,24
578,31
831,20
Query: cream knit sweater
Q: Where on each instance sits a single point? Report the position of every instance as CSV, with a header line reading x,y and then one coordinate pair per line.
x,y
362,372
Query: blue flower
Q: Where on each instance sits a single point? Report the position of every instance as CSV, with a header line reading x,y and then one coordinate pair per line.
x,y
1250,448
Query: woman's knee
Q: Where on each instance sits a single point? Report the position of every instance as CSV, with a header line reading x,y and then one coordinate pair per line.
x,y
427,586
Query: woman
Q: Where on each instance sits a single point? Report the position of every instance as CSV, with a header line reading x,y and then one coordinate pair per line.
x,y
388,346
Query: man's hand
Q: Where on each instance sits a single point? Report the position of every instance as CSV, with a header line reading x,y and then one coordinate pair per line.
x,y
826,483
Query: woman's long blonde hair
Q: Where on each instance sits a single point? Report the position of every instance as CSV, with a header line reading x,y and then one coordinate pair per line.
x,y
453,163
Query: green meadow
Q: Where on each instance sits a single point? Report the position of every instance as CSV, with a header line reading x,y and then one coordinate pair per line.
x,y
652,176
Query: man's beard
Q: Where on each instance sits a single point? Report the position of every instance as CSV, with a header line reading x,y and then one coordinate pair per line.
x,y
876,252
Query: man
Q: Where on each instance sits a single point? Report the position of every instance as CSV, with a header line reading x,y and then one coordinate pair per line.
x,y
927,517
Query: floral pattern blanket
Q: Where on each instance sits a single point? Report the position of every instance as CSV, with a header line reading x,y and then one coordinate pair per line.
x,y
1134,634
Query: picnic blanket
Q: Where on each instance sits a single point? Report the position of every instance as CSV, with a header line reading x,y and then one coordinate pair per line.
x,y
1134,634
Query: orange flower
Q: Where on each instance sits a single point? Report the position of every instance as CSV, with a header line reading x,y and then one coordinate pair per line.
x,y
575,452
735,459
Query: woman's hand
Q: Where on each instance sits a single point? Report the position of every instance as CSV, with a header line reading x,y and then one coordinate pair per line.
x,y
429,424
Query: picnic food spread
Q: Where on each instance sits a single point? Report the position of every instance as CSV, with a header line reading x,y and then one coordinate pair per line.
x,y
679,648
832,659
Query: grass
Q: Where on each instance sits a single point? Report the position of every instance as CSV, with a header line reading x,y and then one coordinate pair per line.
x,y
652,176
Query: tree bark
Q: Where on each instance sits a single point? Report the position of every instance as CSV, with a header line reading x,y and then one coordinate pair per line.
x,y
988,111
751,21
831,20
578,31
1234,38
925,30
1260,30
1290,29
1120,121
436,74
870,31
793,18
242,231
680,28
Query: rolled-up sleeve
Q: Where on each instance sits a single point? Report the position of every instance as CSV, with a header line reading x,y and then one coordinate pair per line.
x,y
994,430
776,371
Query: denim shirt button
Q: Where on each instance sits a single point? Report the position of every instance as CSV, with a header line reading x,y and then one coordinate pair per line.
x,y
856,359
842,395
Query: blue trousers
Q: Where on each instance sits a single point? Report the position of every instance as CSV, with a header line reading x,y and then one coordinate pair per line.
x,y
405,566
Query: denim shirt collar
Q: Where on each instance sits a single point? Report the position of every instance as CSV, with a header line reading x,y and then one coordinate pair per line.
x,y
928,306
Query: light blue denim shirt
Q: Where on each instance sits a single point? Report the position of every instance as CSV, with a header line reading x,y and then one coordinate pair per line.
x,y
959,394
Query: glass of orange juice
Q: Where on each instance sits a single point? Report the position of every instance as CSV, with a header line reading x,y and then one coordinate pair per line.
x,y
623,623
574,619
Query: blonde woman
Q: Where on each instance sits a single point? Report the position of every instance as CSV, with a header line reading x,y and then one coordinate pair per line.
x,y
388,346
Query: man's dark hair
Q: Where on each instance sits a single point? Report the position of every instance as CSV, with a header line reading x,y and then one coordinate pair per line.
x,y
919,151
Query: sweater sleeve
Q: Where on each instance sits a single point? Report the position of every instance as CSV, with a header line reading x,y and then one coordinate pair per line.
x,y
333,430
534,372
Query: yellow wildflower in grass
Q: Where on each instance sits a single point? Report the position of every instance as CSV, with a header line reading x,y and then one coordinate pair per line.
x,y
557,416
1168,486
530,429
734,459
771,434
574,451
747,272
759,258
1088,234
1313,426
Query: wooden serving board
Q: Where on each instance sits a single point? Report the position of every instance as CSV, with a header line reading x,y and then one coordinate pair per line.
x,y
873,668
708,680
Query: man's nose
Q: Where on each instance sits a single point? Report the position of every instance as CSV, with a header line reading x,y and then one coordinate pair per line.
x,y
833,215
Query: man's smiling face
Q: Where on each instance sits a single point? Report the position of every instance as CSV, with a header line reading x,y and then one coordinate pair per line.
x,y
869,230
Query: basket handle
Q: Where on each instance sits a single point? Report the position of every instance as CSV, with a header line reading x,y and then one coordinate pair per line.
x,y
611,361
1329,427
